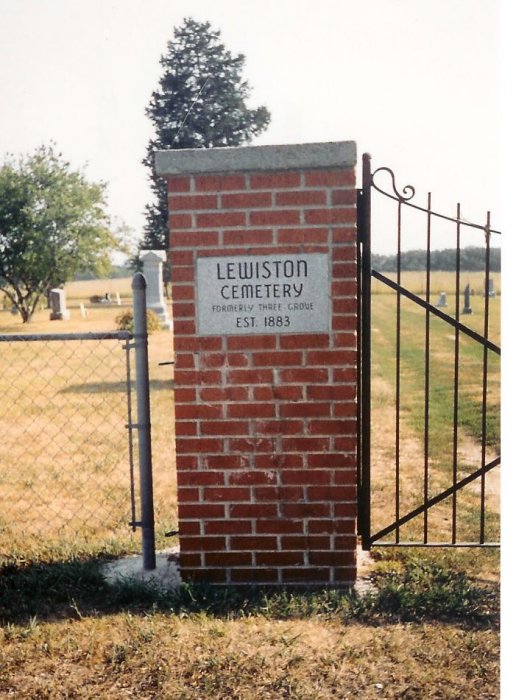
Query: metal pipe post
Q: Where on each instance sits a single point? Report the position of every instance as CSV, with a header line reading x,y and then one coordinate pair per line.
x,y
139,287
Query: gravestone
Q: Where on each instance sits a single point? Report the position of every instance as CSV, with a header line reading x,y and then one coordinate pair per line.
x,y
467,306
153,270
442,300
84,311
491,289
118,300
59,311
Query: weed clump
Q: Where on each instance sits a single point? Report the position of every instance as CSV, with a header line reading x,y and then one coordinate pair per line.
x,y
125,321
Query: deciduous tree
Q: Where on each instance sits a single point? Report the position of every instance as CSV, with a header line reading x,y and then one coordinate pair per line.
x,y
53,224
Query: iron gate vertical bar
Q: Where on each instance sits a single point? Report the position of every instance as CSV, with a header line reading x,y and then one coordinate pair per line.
x,y
130,432
139,286
398,369
364,505
484,379
427,370
456,379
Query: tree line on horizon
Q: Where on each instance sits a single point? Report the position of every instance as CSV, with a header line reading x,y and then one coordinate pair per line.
x,y
472,259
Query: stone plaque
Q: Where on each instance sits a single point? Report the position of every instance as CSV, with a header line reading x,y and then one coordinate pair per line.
x,y
255,294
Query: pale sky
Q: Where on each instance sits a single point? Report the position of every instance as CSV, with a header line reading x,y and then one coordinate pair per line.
x,y
416,83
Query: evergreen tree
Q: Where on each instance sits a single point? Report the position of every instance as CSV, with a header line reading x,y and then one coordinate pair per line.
x,y
200,103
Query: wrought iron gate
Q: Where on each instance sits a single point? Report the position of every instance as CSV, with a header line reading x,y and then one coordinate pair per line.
x,y
445,366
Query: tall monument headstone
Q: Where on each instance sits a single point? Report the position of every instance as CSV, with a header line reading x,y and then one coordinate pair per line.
x,y
57,299
153,270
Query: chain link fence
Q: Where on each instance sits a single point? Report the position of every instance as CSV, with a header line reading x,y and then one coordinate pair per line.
x,y
64,447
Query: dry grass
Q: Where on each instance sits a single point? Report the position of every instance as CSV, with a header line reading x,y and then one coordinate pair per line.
x,y
160,656
73,642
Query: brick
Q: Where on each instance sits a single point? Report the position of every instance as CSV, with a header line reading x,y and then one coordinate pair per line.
x,y
339,215
188,494
347,473
196,377
183,327
191,527
307,476
280,393
279,527
190,559
181,257
278,427
330,392
331,357
346,410
345,510
186,462
330,178
254,444
307,375
227,494
219,183
345,444
278,461
306,510
331,427
198,343
228,527
279,558
275,180
196,445
224,393
306,444
263,494
304,409
180,221
247,200
250,376
253,510
306,575
203,544
301,342
301,197
184,395
335,525
347,269
189,511
178,184
306,542
347,253
345,575
186,428
276,359
229,559
252,478
200,478
327,461
255,575
251,410
344,288
192,202
278,217
184,292
254,236
225,461
225,427
344,235
329,493
226,218
197,239
328,558
342,374
348,197
251,342
303,236
197,412
253,542
184,310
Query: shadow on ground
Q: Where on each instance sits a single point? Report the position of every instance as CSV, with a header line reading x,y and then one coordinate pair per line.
x,y
76,589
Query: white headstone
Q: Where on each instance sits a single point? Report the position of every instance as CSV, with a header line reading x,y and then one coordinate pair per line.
x,y
84,311
153,270
58,305
118,300
442,300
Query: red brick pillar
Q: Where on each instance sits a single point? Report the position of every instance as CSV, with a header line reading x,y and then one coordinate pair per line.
x,y
264,287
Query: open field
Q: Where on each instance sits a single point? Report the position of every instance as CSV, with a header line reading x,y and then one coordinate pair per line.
x,y
429,630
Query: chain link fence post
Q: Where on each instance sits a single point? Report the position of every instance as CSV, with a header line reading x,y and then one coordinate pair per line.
x,y
139,287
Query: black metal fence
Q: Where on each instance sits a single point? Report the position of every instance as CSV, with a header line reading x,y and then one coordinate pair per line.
x,y
429,386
